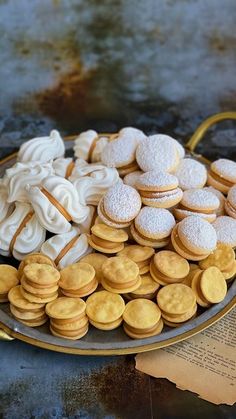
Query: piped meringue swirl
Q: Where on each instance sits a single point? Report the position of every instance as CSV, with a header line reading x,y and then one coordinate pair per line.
x,y
42,149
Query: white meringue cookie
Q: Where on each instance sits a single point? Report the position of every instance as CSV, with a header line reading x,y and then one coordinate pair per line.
x,y
5,207
66,195
42,149
93,181
21,174
87,140
85,227
61,165
28,240
55,245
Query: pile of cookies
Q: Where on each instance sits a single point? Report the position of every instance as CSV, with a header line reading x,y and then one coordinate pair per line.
x,y
134,236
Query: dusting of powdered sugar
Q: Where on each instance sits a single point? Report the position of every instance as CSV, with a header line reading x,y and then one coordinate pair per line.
x,y
180,149
119,152
157,179
157,154
200,199
191,174
232,196
122,202
155,222
225,168
225,228
132,178
198,232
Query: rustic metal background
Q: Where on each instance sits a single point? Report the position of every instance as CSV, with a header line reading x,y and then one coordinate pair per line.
x,y
161,65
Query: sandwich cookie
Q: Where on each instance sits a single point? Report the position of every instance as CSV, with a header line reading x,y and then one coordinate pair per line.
x,y
225,228
22,174
168,267
195,285
89,145
177,303
107,239
194,238
30,314
56,204
34,258
42,149
191,174
159,189
68,318
8,280
78,280
223,258
222,175
120,154
230,204
5,207
152,227
132,178
221,209
66,249
198,202
105,309
142,319
119,206
39,283
148,289
211,285
132,133
120,275
21,232
157,153
141,255
96,260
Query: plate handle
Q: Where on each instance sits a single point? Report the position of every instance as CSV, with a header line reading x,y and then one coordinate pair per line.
x,y
205,125
5,336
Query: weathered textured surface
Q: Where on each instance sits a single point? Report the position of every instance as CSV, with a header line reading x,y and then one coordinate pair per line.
x,y
160,65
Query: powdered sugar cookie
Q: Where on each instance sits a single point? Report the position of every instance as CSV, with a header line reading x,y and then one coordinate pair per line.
x,y
222,175
198,202
225,228
191,174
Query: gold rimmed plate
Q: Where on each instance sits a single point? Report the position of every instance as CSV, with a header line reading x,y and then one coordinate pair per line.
x,y
116,342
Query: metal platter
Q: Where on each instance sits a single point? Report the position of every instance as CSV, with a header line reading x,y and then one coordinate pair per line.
x,y
115,342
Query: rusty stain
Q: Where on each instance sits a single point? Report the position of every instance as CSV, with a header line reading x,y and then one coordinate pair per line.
x,y
118,388
221,43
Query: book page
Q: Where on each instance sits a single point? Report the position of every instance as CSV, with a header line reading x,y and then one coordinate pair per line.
x,y
204,364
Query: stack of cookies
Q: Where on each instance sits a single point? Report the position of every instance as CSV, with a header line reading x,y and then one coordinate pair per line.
x,y
78,280
209,286
105,309
142,319
168,267
96,260
141,255
120,275
177,303
8,280
67,318
39,283
107,239
26,312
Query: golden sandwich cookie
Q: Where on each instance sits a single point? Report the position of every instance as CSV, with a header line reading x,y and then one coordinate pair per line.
x,y
142,318
8,280
105,309
120,275
223,257
34,258
107,239
176,299
96,260
168,267
78,280
195,285
140,255
148,289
